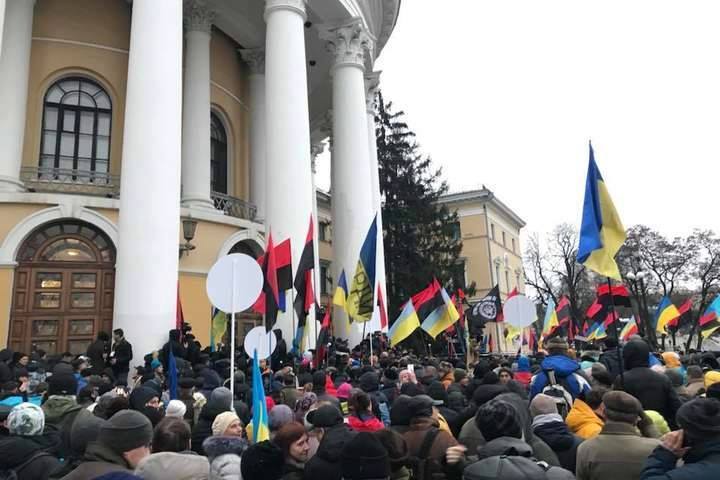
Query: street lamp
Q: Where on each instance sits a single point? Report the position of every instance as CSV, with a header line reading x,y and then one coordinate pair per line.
x,y
188,225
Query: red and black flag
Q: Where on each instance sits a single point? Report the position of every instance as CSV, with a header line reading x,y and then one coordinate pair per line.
x,y
620,295
427,300
283,262
685,310
270,285
383,310
709,323
323,337
305,297
562,311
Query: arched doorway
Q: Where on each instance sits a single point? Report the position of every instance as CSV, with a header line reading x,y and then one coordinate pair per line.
x,y
63,292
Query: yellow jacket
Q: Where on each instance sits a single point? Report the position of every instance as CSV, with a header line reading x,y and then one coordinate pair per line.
x,y
582,420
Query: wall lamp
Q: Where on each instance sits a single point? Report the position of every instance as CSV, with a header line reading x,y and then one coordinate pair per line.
x,y
189,226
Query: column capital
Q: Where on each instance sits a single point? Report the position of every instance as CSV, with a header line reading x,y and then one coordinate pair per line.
x,y
197,16
315,150
347,41
297,6
372,82
255,58
327,128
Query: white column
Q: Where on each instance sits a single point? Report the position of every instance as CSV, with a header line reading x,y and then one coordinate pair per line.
x,y
149,225
255,58
16,44
352,199
288,178
372,81
196,107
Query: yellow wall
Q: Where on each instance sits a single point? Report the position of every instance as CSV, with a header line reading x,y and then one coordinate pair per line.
x,y
12,213
104,23
228,72
196,305
6,286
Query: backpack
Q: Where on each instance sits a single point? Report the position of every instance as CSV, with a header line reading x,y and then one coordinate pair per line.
x,y
563,399
422,467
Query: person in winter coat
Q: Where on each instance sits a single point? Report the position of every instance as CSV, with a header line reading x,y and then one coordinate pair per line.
x,y
332,433
120,355
364,458
263,460
178,466
653,389
61,406
506,455
567,372
586,417
293,441
98,352
361,418
523,375
224,455
370,384
697,443
610,357
6,373
123,441
220,401
549,426
397,449
437,392
694,381
619,452
147,401
30,450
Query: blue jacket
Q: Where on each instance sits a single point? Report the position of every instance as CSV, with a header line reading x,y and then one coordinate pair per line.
x,y
701,462
566,374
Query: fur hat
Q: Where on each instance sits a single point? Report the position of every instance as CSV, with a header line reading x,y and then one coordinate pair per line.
x,y
364,457
262,460
222,422
26,419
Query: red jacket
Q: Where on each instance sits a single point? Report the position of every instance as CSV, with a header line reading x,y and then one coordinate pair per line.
x,y
369,424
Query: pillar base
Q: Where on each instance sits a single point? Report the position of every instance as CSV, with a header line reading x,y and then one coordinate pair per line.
x,y
10,184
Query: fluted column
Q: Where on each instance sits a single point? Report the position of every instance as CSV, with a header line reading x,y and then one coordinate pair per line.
x,y
372,82
149,224
352,200
288,178
255,58
196,106
14,70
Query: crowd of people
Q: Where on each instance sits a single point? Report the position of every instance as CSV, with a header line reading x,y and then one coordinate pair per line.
x,y
625,413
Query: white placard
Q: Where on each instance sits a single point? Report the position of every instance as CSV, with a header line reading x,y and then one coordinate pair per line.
x,y
519,311
247,278
265,343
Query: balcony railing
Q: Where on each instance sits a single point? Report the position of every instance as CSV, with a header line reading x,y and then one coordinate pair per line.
x,y
65,180
234,207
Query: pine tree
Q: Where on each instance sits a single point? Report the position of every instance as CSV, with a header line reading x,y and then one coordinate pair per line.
x,y
419,235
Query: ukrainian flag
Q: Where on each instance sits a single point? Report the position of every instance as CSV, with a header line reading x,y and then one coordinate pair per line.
x,y
601,232
666,312
442,317
598,333
218,326
361,300
340,298
405,324
550,323
261,429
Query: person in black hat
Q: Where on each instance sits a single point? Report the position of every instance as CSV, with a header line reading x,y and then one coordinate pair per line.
x,y
263,460
697,443
185,394
61,406
365,457
437,392
332,433
147,401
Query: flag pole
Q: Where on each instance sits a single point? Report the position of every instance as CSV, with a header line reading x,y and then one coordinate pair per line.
x,y
292,303
617,335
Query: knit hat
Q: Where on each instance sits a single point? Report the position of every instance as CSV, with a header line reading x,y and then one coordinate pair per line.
x,y
542,404
497,419
221,399
26,419
364,457
176,408
140,396
279,416
459,374
343,391
557,344
700,418
262,460
222,422
155,364
621,406
420,406
62,384
711,377
400,414
125,431
437,392
325,417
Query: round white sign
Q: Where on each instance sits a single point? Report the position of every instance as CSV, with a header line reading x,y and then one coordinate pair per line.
x,y
519,311
265,343
239,270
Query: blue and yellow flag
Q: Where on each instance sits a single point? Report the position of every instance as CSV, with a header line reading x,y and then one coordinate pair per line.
x,y
261,429
361,300
550,322
405,324
666,312
218,326
442,317
341,292
601,232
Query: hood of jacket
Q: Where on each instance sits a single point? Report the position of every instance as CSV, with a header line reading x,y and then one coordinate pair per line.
x,y
510,446
98,452
555,433
369,382
636,354
332,443
16,448
58,406
580,414
368,423
216,446
521,407
562,365
179,466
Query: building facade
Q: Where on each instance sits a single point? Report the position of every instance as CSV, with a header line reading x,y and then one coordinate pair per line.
x,y
142,140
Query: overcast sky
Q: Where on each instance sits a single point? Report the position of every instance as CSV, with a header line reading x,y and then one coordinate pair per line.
x,y
508,93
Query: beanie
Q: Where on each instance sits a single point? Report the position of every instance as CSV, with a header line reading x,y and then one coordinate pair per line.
x,y
343,391
140,396
497,419
542,404
700,418
459,374
62,383
557,345
400,414
176,408
220,399
155,364
222,422
279,416
262,460
125,431
711,377
26,419
364,457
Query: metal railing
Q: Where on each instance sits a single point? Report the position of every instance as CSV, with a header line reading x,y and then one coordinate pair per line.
x,y
234,207
66,180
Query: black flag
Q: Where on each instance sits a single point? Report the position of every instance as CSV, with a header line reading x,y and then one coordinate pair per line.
x,y
489,309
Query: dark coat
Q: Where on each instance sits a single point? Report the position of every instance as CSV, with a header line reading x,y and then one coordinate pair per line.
x,y
325,464
203,427
653,389
32,457
495,451
557,435
123,356
701,462
96,352
611,360
99,460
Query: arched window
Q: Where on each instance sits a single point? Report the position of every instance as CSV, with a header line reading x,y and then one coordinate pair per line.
x,y
76,126
218,155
